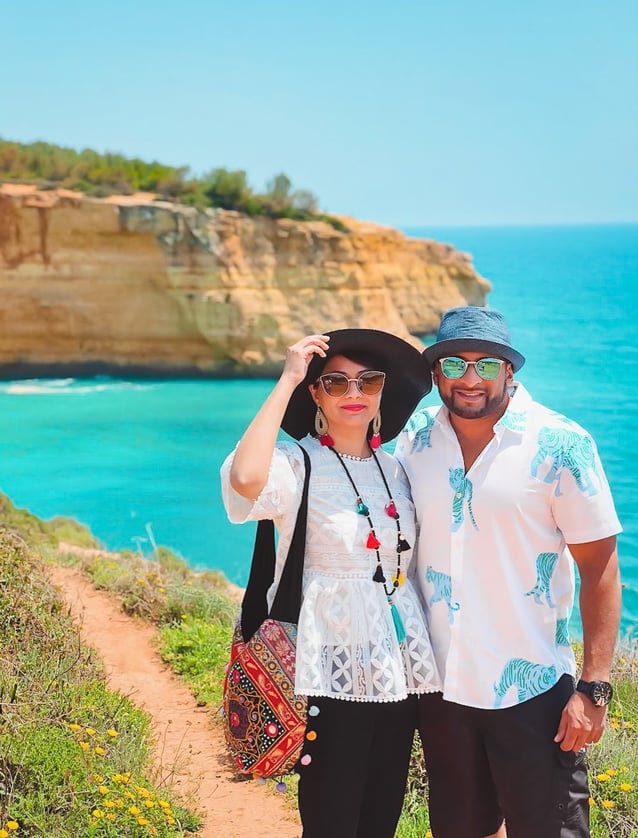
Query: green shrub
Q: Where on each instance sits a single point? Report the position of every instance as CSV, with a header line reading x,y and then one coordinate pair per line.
x,y
198,651
50,166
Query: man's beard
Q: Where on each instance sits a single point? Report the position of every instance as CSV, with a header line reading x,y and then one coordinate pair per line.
x,y
495,404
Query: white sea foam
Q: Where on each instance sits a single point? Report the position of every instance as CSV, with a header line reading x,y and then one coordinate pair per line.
x,y
65,387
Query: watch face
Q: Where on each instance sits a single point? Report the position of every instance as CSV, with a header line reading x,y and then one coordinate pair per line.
x,y
601,693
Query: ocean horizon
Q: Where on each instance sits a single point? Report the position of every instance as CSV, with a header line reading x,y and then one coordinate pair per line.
x,y
138,461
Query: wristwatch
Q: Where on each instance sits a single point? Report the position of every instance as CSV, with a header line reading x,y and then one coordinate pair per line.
x,y
599,692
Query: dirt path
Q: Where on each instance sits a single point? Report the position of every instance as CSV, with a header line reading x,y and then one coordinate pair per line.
x,y
190,753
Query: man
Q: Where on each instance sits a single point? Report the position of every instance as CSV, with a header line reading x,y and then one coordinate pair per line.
x,y
509,495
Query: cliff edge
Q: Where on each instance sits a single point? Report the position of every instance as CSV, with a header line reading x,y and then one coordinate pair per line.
x,y
136,285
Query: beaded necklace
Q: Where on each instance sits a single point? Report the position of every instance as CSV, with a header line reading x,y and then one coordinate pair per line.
x,y
373,542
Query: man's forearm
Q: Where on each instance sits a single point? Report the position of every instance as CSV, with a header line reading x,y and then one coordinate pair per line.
x,y
600,604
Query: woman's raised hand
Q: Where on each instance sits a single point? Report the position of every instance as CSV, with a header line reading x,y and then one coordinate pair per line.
x,y
300,354
249,471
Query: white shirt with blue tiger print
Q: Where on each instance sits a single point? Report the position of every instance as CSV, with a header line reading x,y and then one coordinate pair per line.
x,y
497,578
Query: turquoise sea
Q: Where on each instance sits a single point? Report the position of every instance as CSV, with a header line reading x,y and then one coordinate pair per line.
x,y
138,461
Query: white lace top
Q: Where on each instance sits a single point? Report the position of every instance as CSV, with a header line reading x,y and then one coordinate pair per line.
x,y
347,646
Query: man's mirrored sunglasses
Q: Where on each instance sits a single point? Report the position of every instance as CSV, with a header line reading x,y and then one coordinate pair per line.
x,y
337,384
486,368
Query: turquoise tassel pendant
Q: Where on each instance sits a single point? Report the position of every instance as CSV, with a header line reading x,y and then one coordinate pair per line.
x,y
398,623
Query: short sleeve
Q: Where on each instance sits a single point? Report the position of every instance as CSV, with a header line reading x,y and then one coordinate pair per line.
x,y
583,504
281,493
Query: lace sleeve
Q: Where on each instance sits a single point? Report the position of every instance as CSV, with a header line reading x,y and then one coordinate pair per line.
x,y
281,493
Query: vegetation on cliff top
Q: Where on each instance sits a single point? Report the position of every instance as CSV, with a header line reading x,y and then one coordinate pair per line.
x,y
99,175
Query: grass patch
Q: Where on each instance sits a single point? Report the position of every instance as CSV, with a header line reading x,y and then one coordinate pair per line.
x,y
198,652
74,756
162,590
41,534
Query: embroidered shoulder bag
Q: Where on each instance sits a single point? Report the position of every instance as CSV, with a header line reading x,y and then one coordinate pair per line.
x,y
264,720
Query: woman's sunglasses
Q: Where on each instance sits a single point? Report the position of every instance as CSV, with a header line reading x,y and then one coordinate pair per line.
x,y
337,384
486,368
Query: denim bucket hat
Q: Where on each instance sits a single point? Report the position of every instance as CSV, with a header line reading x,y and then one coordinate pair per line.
x,y
473,329
408,379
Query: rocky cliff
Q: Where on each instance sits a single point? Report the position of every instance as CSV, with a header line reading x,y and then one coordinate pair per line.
x,y
92,285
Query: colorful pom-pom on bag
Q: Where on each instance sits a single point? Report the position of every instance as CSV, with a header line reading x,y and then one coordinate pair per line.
x,y
264,720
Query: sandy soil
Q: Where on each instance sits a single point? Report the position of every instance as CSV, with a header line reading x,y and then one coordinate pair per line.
x,y
190,751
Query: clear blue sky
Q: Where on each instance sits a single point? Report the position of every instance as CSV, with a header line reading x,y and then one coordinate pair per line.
x,y
452,112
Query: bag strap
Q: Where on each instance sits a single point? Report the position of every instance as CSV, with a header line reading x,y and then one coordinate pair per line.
x,y
254,605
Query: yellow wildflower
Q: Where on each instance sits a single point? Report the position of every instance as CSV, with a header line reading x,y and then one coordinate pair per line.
x,y
90,731
110,816
149,804
164,804
625,787
99,751
143,821
112,733
592,802
84,746
603,777
12,825
97,813
103,790
608,804
133,810
109,804
4,833
75,727
611,771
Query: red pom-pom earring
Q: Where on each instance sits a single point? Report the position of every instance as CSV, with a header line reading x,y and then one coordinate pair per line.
x,y
321,427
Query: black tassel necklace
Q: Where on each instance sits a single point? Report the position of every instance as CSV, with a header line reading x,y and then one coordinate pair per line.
x,y
373,542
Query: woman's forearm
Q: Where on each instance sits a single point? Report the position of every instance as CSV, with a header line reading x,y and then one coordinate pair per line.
x,y
249,471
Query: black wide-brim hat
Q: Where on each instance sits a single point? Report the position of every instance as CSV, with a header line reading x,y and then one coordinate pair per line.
x,y
474,329
408,378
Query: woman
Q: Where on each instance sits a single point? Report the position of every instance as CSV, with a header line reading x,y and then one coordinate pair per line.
x,y
363,652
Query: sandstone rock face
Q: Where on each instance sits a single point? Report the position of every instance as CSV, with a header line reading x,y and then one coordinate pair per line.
x,y
134,284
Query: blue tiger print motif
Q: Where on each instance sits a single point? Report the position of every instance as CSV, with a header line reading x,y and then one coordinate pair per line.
x,y
514,420
530,679
562,632
545,566
566,449
462,492
419,430
442,583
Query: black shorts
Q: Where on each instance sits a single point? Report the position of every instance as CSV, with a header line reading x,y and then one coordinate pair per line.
x,y
486,765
